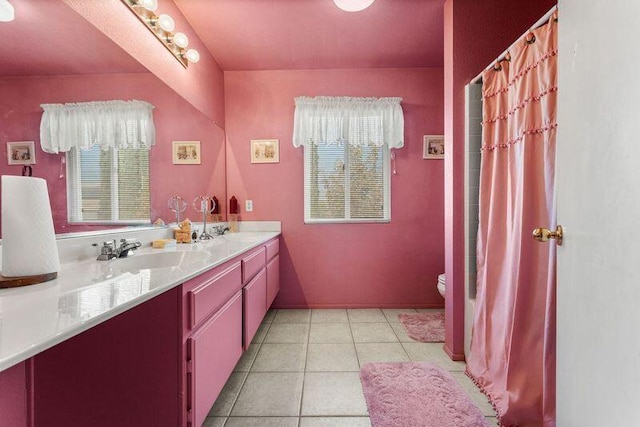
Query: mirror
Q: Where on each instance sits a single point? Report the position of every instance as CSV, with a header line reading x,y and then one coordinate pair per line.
x,y
50,54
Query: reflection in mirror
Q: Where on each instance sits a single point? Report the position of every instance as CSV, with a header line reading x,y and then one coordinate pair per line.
x,y
81,64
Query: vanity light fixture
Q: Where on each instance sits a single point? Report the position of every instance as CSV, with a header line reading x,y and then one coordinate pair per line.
x,y
7,13
353,5
162,26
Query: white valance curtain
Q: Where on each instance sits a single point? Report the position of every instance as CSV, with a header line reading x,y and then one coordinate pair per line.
x,y
356,121
110,124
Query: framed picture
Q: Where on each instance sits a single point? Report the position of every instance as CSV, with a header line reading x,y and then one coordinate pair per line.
x,y
186,153
265,151
433,147
21,153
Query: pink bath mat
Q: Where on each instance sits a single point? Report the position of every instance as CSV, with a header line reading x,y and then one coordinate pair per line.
x,y
424,327
408,394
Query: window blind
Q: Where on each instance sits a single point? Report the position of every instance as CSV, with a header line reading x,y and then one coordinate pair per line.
x,y
108,186
346,183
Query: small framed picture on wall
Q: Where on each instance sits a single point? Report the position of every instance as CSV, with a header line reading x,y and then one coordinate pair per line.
x,y
21,153
433,147
265,151
186,153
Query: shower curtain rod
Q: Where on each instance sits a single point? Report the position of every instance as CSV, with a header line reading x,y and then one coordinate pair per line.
x,y
538,24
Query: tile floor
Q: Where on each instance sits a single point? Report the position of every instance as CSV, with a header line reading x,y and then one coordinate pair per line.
x,y
302,369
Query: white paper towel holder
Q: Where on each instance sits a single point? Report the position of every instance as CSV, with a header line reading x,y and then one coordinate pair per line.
x,y
14,282
31,255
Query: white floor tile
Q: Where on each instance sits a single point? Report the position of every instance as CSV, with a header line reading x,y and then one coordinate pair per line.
x,y
270,394
380,352
373,332
262,422
432,352
332,358
330,333
329,315
335,422
392,313
228,395
366,315
286,333
245,362
333,393
280,358
293,316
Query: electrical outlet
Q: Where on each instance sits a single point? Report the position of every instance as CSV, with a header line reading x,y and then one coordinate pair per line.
x,y
248,205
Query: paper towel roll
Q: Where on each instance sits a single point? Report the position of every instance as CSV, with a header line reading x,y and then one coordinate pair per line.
x,y
28,238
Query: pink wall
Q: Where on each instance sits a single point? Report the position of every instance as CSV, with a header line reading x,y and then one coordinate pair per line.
x,y
175,119
475,33
342,265
200,84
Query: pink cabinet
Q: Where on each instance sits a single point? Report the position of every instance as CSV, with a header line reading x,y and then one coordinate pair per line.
x,y
14,399
212,353
212,293
255,305
273,280
252,264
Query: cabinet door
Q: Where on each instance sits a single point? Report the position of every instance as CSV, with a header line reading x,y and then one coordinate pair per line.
x,y
273,280
255,305
213,352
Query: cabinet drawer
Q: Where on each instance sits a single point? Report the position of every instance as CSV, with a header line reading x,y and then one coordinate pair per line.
x,y
207,297
213,352
273,248
255,305
252,264
273,280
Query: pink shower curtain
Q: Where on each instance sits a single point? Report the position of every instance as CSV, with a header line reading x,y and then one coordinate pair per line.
x,y
512,354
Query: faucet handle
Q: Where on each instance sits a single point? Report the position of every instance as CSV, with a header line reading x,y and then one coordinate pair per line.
x,y
107,248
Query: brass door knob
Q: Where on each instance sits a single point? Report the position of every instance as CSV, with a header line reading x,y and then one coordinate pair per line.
x,y
544,234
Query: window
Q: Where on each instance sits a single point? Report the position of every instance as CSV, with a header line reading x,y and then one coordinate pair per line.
x,y
108,186
346,156
346,183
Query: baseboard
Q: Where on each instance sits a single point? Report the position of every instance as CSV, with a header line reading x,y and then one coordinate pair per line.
x,y
327,306
456,357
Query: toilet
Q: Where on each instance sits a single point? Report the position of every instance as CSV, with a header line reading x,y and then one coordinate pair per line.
x,y
441,284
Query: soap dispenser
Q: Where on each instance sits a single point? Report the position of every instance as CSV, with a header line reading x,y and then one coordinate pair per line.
x,y
233,214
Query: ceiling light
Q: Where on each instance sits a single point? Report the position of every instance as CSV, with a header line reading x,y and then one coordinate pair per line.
x,y
353,5
166,23
7,13
192,55
150,5
180,40
162,27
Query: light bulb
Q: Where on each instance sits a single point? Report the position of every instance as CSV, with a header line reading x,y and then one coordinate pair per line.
x,y
7,13
180,40
166,23
192,55
353,5
150,5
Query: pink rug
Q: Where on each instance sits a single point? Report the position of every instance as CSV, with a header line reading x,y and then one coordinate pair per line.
x,y
411,394
424,327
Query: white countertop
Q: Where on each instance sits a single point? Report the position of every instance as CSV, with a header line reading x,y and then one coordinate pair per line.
x,y
88,292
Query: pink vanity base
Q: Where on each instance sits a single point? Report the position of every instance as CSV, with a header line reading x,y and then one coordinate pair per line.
x,y
161,363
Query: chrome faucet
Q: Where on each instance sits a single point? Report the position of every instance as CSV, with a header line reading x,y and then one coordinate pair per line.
x,y
110,251
126,248
219,230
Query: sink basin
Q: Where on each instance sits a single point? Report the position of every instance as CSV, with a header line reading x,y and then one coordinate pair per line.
x,y
159,260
